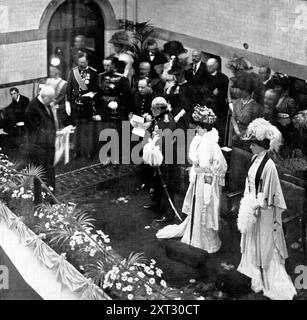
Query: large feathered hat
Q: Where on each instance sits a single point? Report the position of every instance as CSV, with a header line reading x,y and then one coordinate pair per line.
x,y
263,133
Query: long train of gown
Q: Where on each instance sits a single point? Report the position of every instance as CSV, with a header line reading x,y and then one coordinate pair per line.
x,y
205,227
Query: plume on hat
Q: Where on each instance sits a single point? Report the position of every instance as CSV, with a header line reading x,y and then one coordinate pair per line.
x,y
261,129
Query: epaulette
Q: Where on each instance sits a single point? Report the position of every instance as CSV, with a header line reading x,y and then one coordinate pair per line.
x,y
93,69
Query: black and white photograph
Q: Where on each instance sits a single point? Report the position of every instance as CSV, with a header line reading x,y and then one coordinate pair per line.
x,y
153,151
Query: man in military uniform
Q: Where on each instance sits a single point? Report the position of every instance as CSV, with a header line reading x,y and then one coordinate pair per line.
x,y
163,119
116,93
82,88
80,47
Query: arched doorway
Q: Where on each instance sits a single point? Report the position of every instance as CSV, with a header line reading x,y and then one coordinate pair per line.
x,y
72,18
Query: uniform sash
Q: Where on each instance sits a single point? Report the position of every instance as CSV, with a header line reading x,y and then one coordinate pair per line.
x,y
79,79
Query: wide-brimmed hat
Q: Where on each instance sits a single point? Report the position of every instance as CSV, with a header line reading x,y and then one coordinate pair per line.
x,y
120,37
263,133
203,115
174,48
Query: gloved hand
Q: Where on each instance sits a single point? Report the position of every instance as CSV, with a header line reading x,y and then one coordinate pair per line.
x,y
68,108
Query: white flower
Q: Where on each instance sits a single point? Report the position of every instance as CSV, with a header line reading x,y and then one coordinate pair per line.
x,y
178,298
108,248
163,283
130,296
159,272
116,269
141,275
118,286
192,281
130,279
147,269
149,291
152,281
152,261
92,252
124,278
47,225
113,276
107,240
129,288
81,268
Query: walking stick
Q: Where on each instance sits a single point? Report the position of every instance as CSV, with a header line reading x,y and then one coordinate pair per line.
x,y
167,193
193,209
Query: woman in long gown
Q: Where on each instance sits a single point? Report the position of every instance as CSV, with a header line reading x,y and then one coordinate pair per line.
x,y
202,200
263,245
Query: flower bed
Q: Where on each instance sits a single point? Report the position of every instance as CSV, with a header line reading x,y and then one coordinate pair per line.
x,y
69,231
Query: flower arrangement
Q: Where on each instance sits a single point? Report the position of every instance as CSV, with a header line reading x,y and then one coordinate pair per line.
x,y
203,114
70,231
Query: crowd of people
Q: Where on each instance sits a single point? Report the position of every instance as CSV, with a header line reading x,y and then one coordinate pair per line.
x,y
248,110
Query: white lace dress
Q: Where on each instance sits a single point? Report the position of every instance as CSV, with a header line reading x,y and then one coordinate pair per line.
x,y
265,239
206,180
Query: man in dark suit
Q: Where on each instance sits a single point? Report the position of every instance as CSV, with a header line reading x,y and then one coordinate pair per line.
x,y
41,133
197,76
144,71
154,56
143,98
15,112
218,87
14,117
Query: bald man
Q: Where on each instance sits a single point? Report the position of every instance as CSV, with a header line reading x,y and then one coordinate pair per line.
x,y
218,87
144,72
41,133
197,76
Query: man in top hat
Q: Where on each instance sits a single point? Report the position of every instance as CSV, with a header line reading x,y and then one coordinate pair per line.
x,y
163,120
153,56
121,43
180,95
